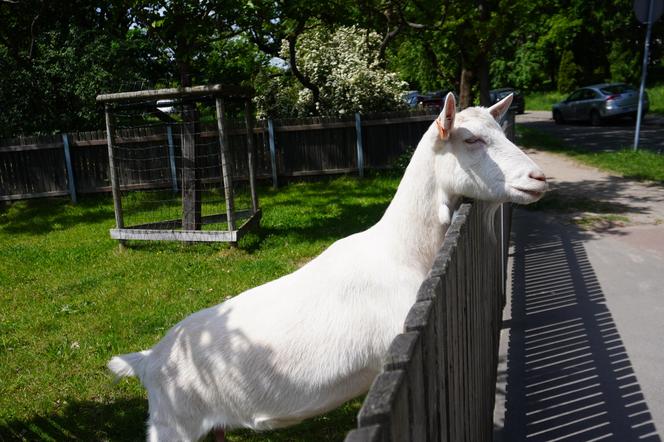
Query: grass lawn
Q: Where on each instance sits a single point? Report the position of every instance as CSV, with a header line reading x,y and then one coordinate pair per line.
x,y
543,101
70,299
640,164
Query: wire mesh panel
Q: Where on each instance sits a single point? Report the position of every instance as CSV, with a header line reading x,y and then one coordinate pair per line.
x,y
175,173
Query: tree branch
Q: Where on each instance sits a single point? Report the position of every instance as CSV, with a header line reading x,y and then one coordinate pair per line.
x,y
32,31
386,40
306,82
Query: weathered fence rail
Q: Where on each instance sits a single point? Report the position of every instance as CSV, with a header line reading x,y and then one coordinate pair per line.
x,y
68,164
438,381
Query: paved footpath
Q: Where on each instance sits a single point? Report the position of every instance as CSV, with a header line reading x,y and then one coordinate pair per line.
x,y
582,347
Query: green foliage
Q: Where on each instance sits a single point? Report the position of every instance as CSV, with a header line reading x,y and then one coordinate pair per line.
x,y
403,161
233,61
568,73
55,57
524,71
624,63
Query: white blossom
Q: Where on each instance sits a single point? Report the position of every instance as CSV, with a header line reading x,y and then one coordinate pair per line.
x,y
344,65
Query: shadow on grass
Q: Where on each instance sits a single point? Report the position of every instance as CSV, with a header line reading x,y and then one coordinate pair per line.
x,y
321,211
124,420
40,216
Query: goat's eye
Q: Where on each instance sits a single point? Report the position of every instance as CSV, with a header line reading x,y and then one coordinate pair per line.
x,y
474,140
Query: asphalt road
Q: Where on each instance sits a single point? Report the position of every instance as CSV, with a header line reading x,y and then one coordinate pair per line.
x,y
612,135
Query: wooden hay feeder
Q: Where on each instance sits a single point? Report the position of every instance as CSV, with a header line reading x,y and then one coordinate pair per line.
x,y
188,228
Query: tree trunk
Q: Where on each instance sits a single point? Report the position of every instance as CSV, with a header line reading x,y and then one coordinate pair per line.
x,y
303,79
466,88
484,80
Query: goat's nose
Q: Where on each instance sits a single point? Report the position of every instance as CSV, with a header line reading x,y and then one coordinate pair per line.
x,y
537,175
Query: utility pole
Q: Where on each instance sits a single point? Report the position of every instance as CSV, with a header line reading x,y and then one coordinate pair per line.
x,y
647,11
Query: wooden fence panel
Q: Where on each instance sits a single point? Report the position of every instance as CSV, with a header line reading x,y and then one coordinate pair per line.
x,y
385,143
90,162
32,167
35,167
319,150
444,364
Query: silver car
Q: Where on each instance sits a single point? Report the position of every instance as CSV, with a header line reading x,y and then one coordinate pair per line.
x,y
598,102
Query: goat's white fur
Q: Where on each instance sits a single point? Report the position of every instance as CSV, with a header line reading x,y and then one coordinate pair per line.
x,y
305,343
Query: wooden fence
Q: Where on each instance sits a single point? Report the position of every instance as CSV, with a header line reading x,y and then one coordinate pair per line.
x,y
439,378
70,164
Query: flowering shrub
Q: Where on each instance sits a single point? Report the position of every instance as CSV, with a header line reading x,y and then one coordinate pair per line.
x,y
344,65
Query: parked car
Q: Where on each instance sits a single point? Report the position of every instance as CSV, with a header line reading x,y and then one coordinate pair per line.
x,y
518,102
412,98
599,102
434,100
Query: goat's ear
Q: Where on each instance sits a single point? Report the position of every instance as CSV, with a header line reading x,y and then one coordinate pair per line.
x,y
499,109
445,120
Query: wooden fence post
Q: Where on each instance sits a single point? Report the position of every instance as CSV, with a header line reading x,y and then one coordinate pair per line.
x,y
191,192
273,153
251,154
71,183
115,185
225,166
360,147
171,156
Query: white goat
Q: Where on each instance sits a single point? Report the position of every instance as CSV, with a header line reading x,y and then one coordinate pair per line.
x,y
305,343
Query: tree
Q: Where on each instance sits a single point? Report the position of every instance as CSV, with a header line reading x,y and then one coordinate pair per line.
x,y
345,68
568,73
56,57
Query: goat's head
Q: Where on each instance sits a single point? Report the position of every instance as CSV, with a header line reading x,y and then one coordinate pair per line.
x,y
475,159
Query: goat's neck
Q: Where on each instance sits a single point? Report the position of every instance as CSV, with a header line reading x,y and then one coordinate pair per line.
x,y
418,217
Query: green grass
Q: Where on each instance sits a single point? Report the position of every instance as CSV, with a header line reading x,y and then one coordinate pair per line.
x,y
70,299
656,96
543,101
640,164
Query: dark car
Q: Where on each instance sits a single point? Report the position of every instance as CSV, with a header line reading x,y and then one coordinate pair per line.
x,y
518,102
599,102
434,100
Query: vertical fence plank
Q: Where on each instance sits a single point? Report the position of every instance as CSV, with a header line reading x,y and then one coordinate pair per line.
x,y
191,195
373,433
225,166
273,152
71,182
115,185
418,321
454,404
171,157
251,154
432,352
359,144
378,404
